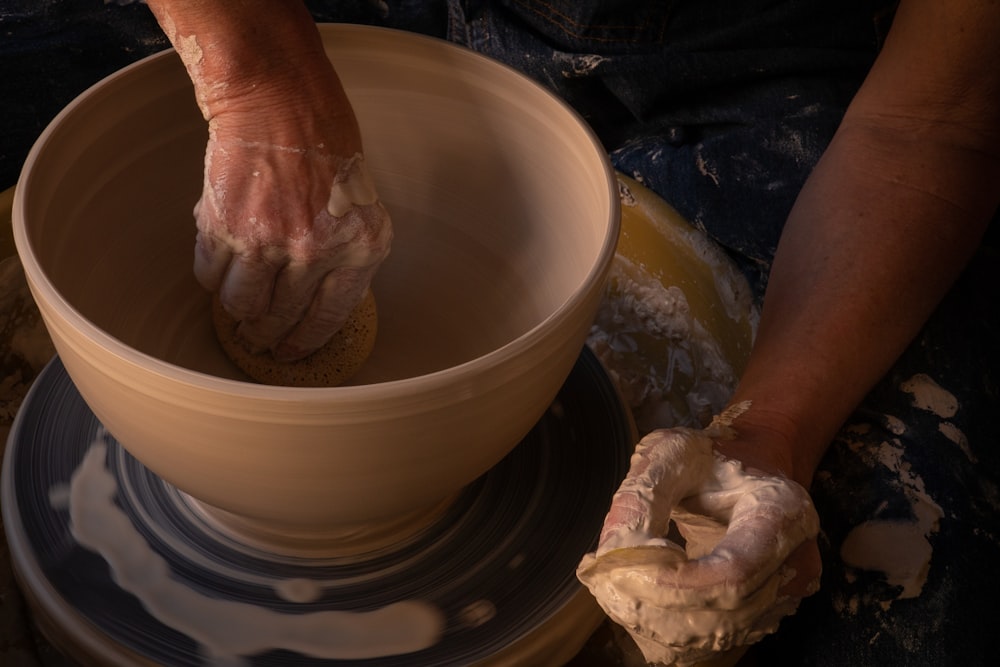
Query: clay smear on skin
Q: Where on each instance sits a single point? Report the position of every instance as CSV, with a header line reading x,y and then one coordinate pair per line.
x,y
191,54
228,631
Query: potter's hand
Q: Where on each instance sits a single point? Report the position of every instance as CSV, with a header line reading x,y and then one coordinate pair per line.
x,y
290,237
290,229
749,551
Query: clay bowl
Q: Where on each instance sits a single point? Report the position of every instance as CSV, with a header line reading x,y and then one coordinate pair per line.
x,y
506,218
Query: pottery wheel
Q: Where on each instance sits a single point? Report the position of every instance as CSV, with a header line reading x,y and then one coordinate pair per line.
x,y
499,563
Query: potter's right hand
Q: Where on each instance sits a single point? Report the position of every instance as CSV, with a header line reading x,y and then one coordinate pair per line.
x,y
748,556
290,232
290,228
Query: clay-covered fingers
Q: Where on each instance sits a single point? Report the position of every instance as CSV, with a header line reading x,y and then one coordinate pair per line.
x,y
333,300
289,263
803,568
678,633
248,284
288,291
291,308
758,520
667,466
745,557
211,258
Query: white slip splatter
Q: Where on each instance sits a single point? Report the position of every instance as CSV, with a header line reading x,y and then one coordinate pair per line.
x,y
898,548
928,395
227,631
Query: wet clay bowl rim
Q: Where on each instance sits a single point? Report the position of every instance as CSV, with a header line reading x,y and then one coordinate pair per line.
x,y
184,411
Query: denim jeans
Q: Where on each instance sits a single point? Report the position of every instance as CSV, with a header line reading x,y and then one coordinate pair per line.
x,y
720,107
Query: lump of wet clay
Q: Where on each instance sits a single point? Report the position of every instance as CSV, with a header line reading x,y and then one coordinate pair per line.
x,y
333,364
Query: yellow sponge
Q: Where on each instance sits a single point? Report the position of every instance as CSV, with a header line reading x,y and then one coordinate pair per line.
x,y
333,364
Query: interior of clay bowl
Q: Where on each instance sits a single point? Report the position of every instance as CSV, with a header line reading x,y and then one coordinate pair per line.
x,y
505,217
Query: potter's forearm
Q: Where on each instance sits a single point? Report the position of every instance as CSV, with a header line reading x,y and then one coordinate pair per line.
x,y
264,59
886,222
861,265
236,39
240,49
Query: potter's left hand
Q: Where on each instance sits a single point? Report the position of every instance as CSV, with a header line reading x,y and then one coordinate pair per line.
x,y
749,552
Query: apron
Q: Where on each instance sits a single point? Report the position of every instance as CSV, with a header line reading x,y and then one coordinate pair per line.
x,y
720,107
